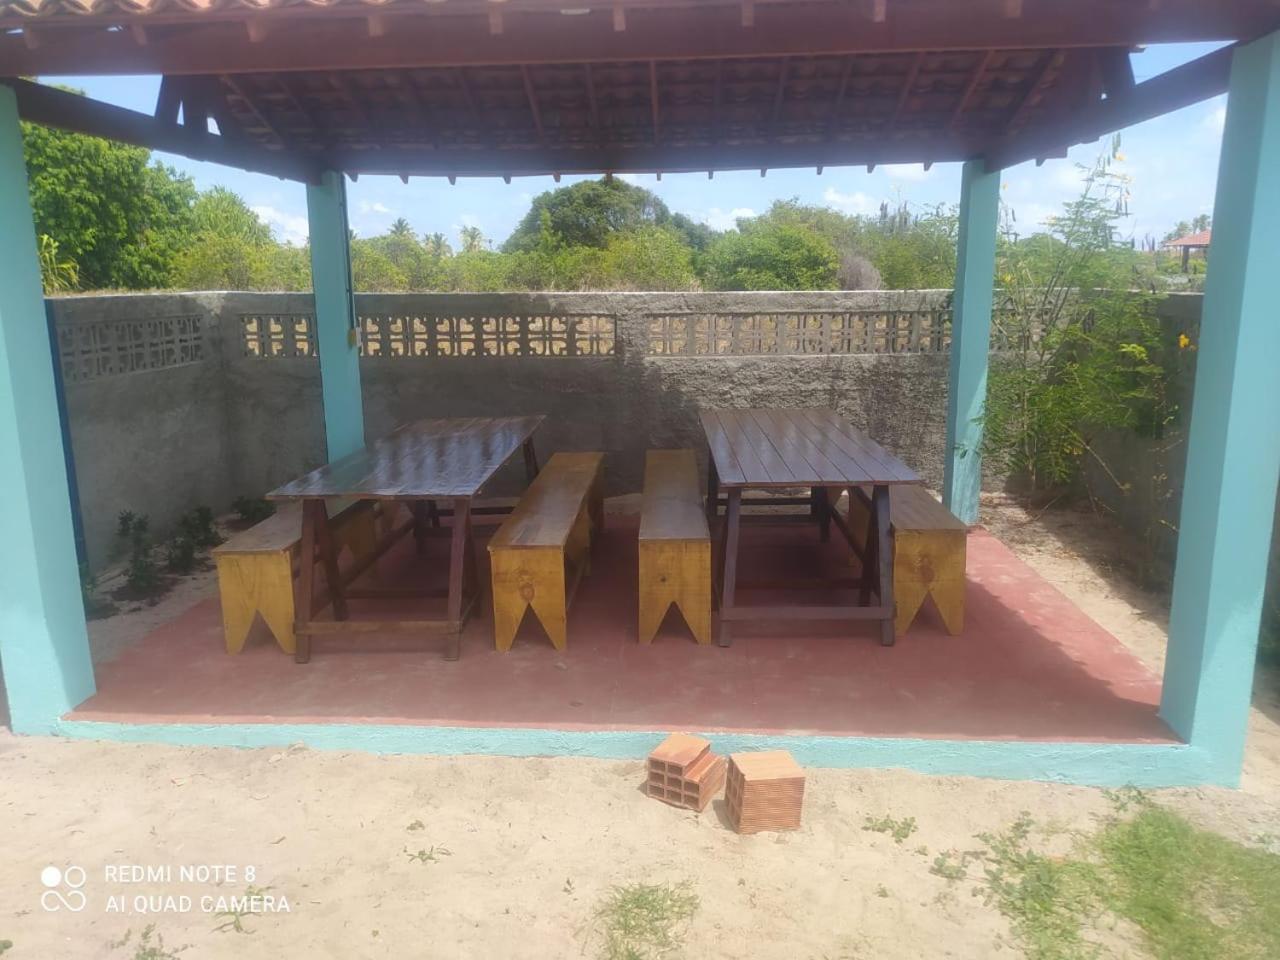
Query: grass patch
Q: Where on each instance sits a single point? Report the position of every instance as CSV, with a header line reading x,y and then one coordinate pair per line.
x,y
645,921
149,945
1193,894
1196,895
898,829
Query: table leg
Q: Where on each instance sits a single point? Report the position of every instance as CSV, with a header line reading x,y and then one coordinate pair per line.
x,y
460,546
884,560
730,562
869,561
713,490
433,514
306,584
419,510
820,509
530,459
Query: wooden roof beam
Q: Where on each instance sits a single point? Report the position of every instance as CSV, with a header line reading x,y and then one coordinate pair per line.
x,y
1052,64
68,111
653,101
1191,83
240,88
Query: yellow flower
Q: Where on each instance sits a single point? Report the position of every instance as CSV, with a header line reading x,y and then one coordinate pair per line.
x,y
1183,341
1119,156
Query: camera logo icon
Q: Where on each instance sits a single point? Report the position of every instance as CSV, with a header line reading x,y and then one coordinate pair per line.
x,y
62,889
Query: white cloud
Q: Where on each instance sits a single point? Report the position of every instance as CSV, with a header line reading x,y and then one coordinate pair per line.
x,y
1215,121
374,207
857,202
718,219
290,228
914,172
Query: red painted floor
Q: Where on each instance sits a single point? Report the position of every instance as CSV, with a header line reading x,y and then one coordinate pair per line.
x,y
1028,666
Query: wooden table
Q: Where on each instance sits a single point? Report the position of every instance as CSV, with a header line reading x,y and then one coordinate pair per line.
x,y
419,464
804,448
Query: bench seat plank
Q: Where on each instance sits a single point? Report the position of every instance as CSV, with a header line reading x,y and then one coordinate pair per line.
x,y
543,548
675,545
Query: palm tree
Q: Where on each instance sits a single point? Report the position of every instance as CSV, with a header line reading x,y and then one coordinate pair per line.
x,y
436,245
401,228
472,239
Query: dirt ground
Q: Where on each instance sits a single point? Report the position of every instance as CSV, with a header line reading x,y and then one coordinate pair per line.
x,y
425,857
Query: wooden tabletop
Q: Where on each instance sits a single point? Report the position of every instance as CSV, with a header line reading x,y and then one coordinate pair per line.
x,y
797,448
426,459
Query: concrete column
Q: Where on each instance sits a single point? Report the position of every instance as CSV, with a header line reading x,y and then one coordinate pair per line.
x,y
337,336
970,339
44,647
1233,446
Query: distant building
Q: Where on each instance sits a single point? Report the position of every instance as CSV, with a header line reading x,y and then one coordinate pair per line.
x,y
1192,241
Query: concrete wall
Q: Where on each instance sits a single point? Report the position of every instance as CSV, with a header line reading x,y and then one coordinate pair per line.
x,y
160,432
152,439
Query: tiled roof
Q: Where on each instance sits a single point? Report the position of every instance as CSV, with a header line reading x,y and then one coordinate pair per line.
x,y
97,8
1200,239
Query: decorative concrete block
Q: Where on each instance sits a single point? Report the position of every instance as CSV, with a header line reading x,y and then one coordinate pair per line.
x,y
764,791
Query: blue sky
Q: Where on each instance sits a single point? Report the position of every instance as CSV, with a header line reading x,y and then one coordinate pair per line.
x,y
1173,161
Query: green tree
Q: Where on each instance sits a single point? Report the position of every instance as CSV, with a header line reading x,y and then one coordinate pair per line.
x,y
652,258
121,219
769,256
586,214
232,249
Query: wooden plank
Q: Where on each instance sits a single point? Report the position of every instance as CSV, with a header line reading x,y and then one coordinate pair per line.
x,y
546,514
872,459
423,460
68,111
804,456
727,468
672,507
749,433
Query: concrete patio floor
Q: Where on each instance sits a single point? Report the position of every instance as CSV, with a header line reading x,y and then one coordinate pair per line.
x,y
1029,665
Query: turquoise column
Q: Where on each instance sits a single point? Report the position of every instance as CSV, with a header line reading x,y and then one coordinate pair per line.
x,y
1233,446
336,332
970,339
44,647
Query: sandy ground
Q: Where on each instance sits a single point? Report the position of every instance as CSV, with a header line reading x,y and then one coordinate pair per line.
x,y
533,845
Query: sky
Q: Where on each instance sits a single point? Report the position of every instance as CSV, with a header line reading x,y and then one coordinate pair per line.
x,y
1172,161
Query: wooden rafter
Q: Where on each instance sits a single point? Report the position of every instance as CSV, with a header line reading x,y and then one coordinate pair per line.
x,y
69,111
780,95
913,74
1052,63
532,96
241,90
654,104
1193,82
971,87
837,104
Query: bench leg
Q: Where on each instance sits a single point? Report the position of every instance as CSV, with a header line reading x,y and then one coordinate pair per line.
x,y
908,596
524,579
248,586
678,573
948,597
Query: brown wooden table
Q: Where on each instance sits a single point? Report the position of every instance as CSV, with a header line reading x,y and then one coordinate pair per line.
x,y
419,464
802,448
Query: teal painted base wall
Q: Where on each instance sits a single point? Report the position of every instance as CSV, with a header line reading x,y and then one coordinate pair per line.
x,y
44,646
1097,764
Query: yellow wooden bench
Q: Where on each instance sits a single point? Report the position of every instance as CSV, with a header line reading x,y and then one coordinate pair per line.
x,y
928,554
675,545
543,548
257,569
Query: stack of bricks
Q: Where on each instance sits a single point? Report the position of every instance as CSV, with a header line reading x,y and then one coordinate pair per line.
x,y
764,791
684,772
